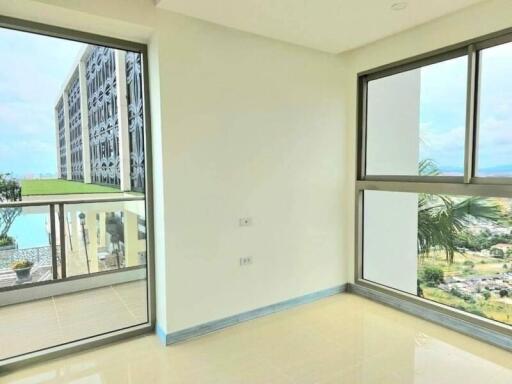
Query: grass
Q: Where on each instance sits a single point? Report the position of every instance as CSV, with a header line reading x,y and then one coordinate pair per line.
x,y
61,187
483,265
494,309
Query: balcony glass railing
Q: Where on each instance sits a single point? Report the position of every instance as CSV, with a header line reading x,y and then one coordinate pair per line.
x,y
54,240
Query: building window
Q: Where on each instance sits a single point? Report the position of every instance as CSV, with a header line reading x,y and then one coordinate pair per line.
x,y
103,117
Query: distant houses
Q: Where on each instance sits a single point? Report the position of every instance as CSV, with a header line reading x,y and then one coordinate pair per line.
x,y
477,285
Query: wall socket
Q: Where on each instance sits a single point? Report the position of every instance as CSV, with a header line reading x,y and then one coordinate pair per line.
x,y
245,222
245,261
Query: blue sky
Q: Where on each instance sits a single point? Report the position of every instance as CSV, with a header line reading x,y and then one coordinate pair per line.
x,y
496,110
33,69
442,113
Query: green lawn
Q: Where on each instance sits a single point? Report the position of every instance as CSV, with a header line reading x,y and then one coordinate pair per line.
x,y
61,187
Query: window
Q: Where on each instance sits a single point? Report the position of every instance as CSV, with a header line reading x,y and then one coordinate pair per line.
x,y
434,208
495,113
75,251
416,121
450,249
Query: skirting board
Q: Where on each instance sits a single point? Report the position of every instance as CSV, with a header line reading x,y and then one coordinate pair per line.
x,y
203,329
469,329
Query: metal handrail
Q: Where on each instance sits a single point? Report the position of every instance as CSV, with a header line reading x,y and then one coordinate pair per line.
x,y
37,203
56,208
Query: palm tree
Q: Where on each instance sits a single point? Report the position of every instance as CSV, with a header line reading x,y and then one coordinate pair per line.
x,y
441,218
10,190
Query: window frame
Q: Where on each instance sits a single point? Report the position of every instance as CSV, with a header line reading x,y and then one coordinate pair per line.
x,y
131,331
466,185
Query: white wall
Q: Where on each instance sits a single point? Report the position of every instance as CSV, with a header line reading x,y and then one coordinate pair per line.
x,y
250,127
242,126
478,20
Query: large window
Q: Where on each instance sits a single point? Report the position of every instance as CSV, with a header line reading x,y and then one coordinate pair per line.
x,y
435,181
450,249
75,251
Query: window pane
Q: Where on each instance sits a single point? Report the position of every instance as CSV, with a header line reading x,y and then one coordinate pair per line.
x,y
106,237
495,112
416,121
72,139
454,250
390,227
25,247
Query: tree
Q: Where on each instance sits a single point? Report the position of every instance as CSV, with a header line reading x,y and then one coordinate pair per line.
x,y
10,190
441,218
432,276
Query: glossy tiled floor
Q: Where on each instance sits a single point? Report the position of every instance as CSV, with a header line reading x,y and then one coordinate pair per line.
x,y
342,339
44,323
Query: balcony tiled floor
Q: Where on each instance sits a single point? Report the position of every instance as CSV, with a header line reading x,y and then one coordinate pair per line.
x,y
344,339
59,319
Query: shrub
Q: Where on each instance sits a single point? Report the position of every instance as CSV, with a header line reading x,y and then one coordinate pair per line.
x,y
464,296
432,276
456,292
468,263
503,293
476,312
6,240
487,295
468,298
505,266
22,264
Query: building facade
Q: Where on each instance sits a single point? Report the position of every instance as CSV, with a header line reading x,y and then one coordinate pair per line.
x,y
99,120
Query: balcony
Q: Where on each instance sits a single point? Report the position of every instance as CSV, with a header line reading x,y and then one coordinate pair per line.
x,y
84,259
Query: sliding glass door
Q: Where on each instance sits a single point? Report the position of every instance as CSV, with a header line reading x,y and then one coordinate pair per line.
x,y
75,240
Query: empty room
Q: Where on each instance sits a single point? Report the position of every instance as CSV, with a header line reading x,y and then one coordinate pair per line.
x,y
256,191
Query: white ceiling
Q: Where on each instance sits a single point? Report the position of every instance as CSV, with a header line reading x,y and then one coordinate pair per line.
x,y
328,25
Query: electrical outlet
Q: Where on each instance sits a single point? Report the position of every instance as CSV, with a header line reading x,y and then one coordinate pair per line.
x,y
245,221
244,261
